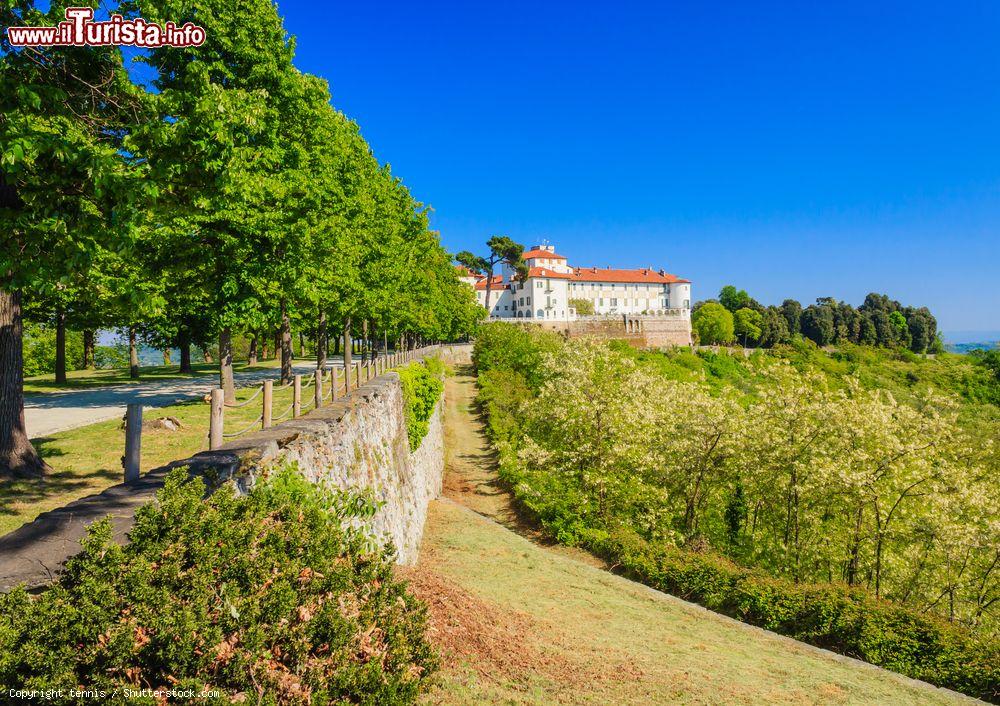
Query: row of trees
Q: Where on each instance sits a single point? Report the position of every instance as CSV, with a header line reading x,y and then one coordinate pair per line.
x,y
811,481
222,194
736,317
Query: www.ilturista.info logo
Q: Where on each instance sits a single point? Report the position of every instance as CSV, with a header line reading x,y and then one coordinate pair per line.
x,y
80,30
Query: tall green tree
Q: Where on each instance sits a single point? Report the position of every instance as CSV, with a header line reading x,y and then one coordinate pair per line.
x,y
217,151
65,183
714,324
502,250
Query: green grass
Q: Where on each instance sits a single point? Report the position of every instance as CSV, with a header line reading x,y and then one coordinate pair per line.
x,y
87,460
597,638
83,379
521,623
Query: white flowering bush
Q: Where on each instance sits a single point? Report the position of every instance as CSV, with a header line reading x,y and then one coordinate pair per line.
x,y
783,463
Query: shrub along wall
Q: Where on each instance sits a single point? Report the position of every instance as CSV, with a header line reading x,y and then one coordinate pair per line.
x,y
270,598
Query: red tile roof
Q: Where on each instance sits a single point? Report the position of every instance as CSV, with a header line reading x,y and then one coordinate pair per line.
x,y
464,271
496,284
545,272
640,276
535,252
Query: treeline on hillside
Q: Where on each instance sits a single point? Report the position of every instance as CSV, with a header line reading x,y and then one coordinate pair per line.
x,y
736,317
221,195
785,489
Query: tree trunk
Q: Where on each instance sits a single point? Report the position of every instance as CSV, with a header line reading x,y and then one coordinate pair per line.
x,y
226,381
854,553
18,457
166,356
321,341
252,355
265,352
88,350
286,345
277,342
133,355
336,344
60,345
184,344
302,345
206,354
364,339
347,346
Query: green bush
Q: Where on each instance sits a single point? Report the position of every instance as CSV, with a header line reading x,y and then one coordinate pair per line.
x,y
271,596
421,391
40,349
503,346
831,616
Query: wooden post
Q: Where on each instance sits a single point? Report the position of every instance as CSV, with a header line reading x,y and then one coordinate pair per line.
x,y
133,442
318,397
333,383
216,419
265,422
297,396
357,375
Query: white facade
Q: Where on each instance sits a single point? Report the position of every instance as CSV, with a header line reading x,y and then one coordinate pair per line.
x,y
551,283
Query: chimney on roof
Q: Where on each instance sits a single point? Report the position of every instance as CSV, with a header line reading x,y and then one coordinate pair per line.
x,y
662,272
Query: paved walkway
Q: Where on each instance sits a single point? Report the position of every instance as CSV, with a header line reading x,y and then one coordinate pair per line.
x,y
49,412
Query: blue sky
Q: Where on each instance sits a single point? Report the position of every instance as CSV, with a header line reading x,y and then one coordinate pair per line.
x,y
794,149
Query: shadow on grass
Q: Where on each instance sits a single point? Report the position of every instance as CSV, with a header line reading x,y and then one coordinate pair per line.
x,y
54,483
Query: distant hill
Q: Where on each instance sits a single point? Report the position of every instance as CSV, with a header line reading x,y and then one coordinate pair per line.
x,y
965,341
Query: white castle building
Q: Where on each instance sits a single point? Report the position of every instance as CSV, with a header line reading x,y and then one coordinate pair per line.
x,y
552,284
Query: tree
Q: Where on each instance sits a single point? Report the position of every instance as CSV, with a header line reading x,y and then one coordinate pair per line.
x,y
774,329
922,328
584,307
502,250
747,325
792,311
733,299
817,324
217,153
714,324
65,183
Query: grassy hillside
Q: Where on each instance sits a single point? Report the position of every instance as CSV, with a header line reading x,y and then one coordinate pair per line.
x,y
844,498
519,623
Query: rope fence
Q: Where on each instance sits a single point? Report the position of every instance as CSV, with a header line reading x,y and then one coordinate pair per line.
x,y
329,383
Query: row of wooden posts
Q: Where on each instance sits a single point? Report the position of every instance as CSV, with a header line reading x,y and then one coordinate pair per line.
x,y
358,372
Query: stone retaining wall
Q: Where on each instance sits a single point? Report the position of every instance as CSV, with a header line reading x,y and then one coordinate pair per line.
x,y
357,441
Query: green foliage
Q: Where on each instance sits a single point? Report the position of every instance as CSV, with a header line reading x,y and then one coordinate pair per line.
x,y
879,321
748,326
110,357
733,299
814,468
504,346
273,595
831,616
422,387
584,307
714,324
40,349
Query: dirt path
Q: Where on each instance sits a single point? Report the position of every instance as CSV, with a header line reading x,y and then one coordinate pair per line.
x,y
522,623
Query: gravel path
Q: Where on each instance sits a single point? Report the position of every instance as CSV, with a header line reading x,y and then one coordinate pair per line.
x,y
49,412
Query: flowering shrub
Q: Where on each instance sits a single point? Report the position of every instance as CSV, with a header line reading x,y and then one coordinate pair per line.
x,y
269,598
839,494
422,388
